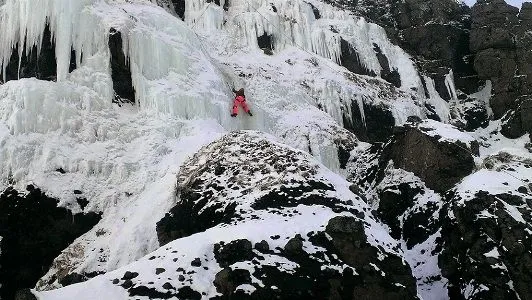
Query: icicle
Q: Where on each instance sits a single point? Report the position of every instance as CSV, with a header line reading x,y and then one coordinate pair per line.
x,y
449,83
360,103
23,23
441,106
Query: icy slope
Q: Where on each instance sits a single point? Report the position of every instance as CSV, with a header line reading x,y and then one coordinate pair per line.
x,y
220,182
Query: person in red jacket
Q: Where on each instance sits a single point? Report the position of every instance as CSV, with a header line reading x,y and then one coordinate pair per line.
x,y
240,99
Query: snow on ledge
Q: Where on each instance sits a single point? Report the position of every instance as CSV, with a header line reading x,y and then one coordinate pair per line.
x,y
445,132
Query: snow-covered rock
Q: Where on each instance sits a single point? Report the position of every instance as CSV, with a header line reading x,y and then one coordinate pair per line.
x,y
487,234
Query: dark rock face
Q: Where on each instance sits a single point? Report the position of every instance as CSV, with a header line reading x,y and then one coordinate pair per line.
x,y
375,126
469,114
518,122
120,70
487,42
41,65
440,164
502,47
394,201
367,167
492,22
435,32
392,76
408,207
72,279
179,7
487,250
265,41
34,232
25,294
350,59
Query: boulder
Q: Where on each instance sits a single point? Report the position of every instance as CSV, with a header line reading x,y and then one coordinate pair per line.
x,y
340,257
437,153
211,184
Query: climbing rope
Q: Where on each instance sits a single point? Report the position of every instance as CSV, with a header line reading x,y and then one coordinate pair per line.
x,y
201,15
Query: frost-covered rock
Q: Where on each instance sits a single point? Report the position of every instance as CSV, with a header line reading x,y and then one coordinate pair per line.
x,y
487,234
211,185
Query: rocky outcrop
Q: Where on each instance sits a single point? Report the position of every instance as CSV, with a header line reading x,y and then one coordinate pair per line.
x,y
34,231
347,242
408,207
502,47
437,153
486,232
489,255
518,121
244,179
435,33
487,42
208,192
469,113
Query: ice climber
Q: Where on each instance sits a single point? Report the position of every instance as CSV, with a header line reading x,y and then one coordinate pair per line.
x,y
240,99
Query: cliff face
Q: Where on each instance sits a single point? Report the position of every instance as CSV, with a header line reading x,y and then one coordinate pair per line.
x,y
388,155
490,41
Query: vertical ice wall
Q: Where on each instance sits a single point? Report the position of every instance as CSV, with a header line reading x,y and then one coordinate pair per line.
x,y
166,59
295,23
22,23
